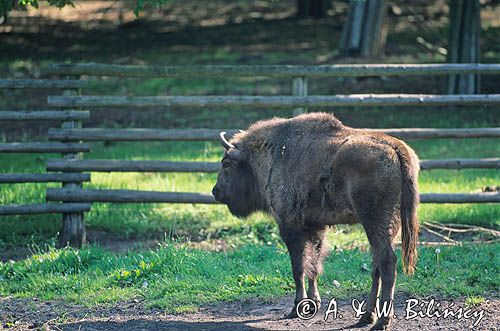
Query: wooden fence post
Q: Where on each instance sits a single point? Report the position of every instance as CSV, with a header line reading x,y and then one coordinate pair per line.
x,y
299,88
73,228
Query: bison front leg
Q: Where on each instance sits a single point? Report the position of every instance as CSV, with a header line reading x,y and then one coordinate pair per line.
x,y
314,255
313,292
295,243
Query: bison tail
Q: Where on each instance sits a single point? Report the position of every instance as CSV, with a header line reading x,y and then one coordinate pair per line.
x,y
409,203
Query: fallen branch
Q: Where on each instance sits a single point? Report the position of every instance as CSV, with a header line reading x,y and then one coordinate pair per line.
x,y
458,243
437,243
466,228
445,228
448,239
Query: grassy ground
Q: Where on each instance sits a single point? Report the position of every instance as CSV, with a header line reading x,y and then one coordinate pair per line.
x,y
178,277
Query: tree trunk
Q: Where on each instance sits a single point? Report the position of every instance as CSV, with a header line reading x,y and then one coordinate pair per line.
x,y
463,44
312,8
363,33
302,6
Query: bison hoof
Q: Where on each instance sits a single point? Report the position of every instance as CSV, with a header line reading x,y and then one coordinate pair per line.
x,y
366,319
383,323
292,314
317,300
305,309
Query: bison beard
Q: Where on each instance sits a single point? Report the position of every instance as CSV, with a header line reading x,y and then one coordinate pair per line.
x,y
238,194
310,172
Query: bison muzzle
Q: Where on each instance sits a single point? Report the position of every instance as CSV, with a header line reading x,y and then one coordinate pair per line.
x,y
311,172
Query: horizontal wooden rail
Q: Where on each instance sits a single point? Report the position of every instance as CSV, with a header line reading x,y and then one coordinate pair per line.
x,y
337,70
130,166
168,166
42,83
134,196
137,134
492,163
489,197
33,147
56,115
213,134
428,133
350,100
45,208
124,196
43,178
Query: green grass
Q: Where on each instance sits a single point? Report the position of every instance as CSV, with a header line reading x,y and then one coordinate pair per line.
x,y
178,278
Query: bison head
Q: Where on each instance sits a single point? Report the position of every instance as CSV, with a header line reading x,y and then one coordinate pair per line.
x,y
236,183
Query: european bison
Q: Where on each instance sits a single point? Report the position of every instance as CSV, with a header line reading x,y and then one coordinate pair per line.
x,y
311,172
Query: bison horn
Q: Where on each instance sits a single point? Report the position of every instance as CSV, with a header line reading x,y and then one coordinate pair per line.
x,y
226,144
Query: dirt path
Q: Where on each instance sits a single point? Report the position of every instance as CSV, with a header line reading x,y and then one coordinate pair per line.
x,y
26,314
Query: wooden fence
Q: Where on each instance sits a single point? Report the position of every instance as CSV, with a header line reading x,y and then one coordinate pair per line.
x,y
42,147
69,137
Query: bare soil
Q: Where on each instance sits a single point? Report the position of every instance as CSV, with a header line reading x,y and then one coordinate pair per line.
x,y
255,314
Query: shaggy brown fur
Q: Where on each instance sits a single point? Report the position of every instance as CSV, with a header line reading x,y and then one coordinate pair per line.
x,y
311,171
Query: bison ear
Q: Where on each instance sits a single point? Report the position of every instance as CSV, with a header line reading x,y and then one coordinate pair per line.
x,y
226,144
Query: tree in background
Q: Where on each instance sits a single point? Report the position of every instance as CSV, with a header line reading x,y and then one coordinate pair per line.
x,y
463,44
363,33
312,8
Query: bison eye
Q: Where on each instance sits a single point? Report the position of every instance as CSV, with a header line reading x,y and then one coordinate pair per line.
x,y
226,165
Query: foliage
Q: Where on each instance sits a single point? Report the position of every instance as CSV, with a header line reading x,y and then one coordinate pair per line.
x,y
141,3
8,5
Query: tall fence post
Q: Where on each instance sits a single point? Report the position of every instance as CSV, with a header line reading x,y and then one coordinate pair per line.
x,y
463,44
363,32
299,88
73,231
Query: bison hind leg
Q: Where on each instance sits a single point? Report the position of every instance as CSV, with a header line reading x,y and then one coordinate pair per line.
x,y
380,222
